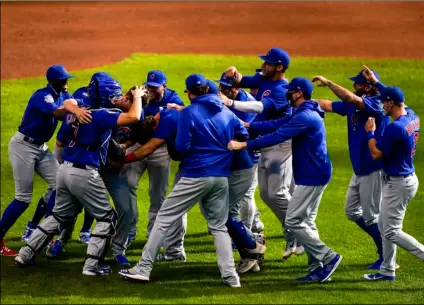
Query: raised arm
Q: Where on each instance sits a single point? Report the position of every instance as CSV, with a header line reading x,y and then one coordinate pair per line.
x,y
134,114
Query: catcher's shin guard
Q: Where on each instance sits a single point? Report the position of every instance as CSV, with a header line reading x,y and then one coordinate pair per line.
x,y
100,240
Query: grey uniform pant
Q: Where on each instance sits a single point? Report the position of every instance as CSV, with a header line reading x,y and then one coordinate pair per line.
x,y
364,197
300,220
117,185
212,193
26,159
158,168
249,212
275,177
74,187
397,193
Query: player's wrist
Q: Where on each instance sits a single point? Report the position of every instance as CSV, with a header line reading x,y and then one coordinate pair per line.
x,y
131,157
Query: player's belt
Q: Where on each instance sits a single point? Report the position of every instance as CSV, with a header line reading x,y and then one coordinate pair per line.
x,y
394,177
80,166
30,140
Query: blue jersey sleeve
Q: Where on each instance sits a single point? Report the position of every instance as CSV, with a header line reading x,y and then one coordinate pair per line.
x,y
240,132
276,100
175,98
294,127
371,105
264,127
391,135
184,131
45,102
165,128
65,131
251,81
339,107
106,118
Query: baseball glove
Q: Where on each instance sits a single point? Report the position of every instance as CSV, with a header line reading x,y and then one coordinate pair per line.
x,y
115,151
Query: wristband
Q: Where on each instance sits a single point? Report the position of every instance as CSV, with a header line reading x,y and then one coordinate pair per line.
x,y
370,135
130,158
232,104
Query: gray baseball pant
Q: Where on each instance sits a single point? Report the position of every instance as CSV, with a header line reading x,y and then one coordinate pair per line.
x,y
74,187
117,185
275,177
212,194
26,159
364,197
300,220
397,193
158,168
249,212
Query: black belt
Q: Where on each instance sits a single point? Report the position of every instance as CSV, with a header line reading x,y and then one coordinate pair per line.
x,y
389,177
82,166
32,141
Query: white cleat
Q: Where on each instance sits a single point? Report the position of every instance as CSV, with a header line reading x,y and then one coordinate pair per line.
x,y
290,250
131,274
299,250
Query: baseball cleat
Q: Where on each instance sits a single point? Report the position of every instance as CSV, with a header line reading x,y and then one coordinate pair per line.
x,y
328,269
5,251
256,268
299,250
101,270
290,250
19,261
233,282
246,265
84,237
122,260
131,274
27,233
251,259
258,227
55,249
260,239
379,277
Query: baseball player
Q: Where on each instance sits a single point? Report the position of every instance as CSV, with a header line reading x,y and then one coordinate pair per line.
x,y
28,152
397,148
158,163
364,192
79,182
274,169
249,211
203,130
312,172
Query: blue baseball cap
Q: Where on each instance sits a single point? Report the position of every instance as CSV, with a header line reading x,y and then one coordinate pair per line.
x,y
57,72
226,80
392,93
277,56
360,79
300,84
195,80
213,89
155,78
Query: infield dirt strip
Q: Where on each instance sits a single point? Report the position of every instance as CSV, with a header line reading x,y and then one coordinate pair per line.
x,y
85,35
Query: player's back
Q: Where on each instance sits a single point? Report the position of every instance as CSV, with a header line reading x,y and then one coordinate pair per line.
x,y
204,130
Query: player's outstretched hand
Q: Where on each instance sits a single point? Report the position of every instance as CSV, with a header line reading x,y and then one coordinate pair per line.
x,y
174,106
370,125
369,75
138,91
323,82
83,116
225,100
233,73
234,145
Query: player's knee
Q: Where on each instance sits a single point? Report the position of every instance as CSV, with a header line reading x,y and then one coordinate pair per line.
x,y
292,223
391,233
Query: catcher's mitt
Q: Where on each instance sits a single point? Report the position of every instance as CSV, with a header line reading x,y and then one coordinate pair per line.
x,y
115,151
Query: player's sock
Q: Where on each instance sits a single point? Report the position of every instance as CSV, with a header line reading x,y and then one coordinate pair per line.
x,y
239,235
39,213
88,222
50,204
361,223
12,212
376,236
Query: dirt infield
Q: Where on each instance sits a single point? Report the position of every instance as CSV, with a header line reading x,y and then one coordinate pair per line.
x,y
84,35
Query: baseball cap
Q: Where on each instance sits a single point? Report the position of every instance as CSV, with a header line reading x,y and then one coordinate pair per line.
x,y
155,78
360,79
300,84
213,89
277,56
195,80
56,72
392,93
226,80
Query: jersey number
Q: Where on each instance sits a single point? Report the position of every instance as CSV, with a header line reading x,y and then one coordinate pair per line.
x,y
414,144
75,127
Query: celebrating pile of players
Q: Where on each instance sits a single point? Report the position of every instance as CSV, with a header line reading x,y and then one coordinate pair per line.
x,y
238,132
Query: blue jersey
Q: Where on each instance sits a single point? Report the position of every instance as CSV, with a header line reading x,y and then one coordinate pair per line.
x,y
275,107
360,156
81,93
311,162
204,130
87,144
167,130
169,96
399,143
38,121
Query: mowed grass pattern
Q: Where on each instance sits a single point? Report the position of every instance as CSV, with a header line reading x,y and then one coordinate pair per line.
x,y
198,280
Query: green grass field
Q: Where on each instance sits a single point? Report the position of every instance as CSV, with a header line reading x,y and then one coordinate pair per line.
x,y
198,280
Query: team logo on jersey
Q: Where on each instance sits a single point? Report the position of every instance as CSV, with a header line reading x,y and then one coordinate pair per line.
x,y
70,118
266,93
49,99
